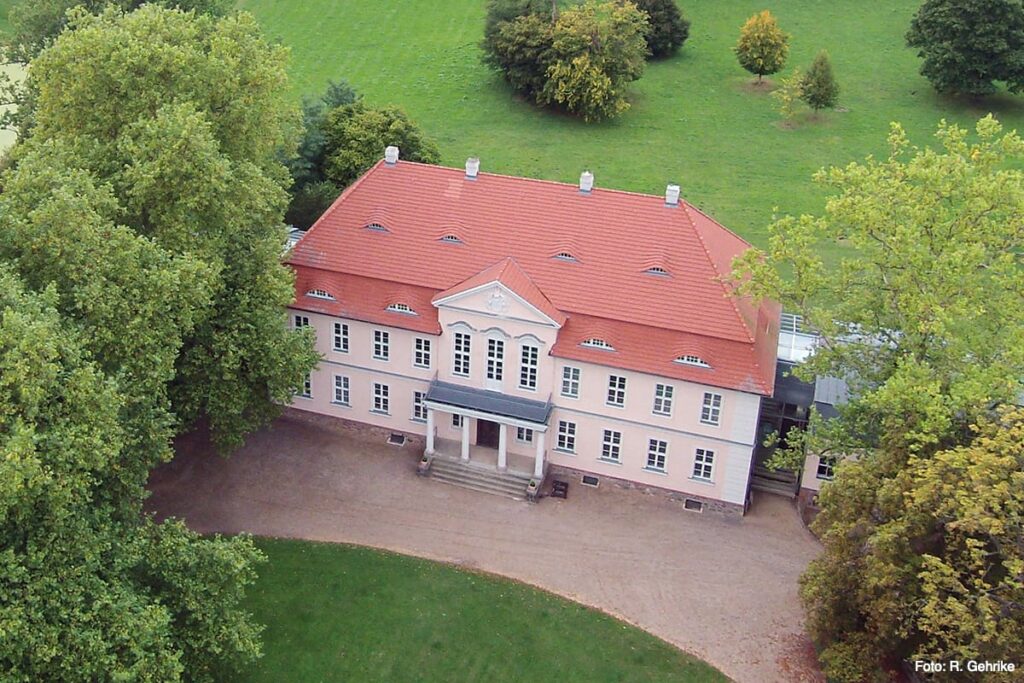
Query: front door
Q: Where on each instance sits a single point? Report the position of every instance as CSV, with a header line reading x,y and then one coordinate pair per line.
x,y
486,433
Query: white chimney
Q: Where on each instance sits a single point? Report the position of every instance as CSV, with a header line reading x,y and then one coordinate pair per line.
x,y
586,181
391,155
472,167
672,195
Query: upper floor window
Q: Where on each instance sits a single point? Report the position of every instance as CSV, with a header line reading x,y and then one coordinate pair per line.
x,y
300,321
421,353
616,391
401,308
528,358
495,359
341,390
657,451
596,343
711,410
381,398
320,294
703,464
663,399
460,364
611,446
341,337
570,382
381,345
826,467
693,360
566,437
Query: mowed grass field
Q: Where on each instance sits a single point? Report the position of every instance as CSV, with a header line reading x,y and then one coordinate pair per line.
x,y
343,613
694,119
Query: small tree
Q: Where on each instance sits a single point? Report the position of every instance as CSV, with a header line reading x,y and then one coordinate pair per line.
x,y
819,88
789,93
668,29
763,46
968,44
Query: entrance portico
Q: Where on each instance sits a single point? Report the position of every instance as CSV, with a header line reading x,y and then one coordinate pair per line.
x,y
487,410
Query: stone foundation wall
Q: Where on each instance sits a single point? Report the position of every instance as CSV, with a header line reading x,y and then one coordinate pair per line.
x,y
807,505
710,504
358,430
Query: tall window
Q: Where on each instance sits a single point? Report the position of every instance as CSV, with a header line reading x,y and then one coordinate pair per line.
x,y
826,467
616,391
301,321
495,359
462,348
611,447
571,382
341,337
703,464
419,411
656,451
381,398
524,435
307,387
566,436
528,356
456,420
341,390
711,411
421,353
381,344
663,399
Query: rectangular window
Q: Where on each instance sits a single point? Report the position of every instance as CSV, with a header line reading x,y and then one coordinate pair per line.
x,y
566,436
663,399
524,435
456,420
341,390
301,321
826,467
616,391
460,366
421,353
307,387
528,356
711,411
571,382
656,451
381,398
611,447
381,344
495,359
341,337
419,411
703,464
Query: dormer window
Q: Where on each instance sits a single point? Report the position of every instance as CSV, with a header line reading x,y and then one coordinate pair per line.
x,y
690,359
320,294
401,308
376,227
657,270
451,239
596,343
565,256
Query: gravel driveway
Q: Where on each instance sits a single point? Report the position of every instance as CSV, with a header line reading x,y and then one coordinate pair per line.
x,y
724,590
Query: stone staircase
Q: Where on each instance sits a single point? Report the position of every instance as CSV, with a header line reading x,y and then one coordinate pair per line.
x,y
779,482
485,480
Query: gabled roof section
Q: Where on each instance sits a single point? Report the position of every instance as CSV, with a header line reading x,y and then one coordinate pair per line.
x,y
507,273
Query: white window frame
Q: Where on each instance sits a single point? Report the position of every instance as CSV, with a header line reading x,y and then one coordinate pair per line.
x,y
663,397
462,350
704,464
571,381
340,343
657,450
690,359
404,309
320,294
300,321
826,469
566,441
711,409
421,352
597,343
616,391
418,408
381,398
495,360
457,421
529,361
524,435
381,345
342,391
611,446
307,386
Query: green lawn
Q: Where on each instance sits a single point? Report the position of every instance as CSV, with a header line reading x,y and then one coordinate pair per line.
x,y
343,613
693,120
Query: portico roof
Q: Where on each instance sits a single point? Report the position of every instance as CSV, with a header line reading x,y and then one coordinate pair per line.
x,y
490,402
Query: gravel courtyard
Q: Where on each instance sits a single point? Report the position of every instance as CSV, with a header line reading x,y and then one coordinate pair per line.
x,y
723,590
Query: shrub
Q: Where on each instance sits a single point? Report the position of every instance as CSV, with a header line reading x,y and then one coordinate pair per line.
x,y
668,29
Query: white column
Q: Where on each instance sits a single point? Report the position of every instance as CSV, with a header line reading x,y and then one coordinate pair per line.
x,y
430,431
538,462
465,438
502,446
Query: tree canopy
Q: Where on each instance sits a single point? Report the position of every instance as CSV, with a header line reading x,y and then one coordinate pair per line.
x,y
667,28
763,47
968,46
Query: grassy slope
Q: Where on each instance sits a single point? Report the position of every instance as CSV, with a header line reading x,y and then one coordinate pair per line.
x,y
693,119
341,613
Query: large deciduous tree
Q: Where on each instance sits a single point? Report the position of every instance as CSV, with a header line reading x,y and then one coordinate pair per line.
x,y
968,46
667,28
763,46
924,317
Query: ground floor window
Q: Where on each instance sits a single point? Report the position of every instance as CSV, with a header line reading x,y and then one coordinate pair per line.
x,y
826,467
611,447
307,387
419,411
341,390
703,464
381,398
456,420
524,435
566,436
656,452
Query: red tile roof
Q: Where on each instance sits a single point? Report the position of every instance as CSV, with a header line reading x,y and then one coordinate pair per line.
x,y
614,238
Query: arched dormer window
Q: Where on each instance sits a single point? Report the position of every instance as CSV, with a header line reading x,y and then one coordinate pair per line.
x,y
657,270
320,294
401,308
564,256
376,227
597,343
690,359
451,239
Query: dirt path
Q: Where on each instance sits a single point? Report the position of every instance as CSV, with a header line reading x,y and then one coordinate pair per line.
x,y
724,590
